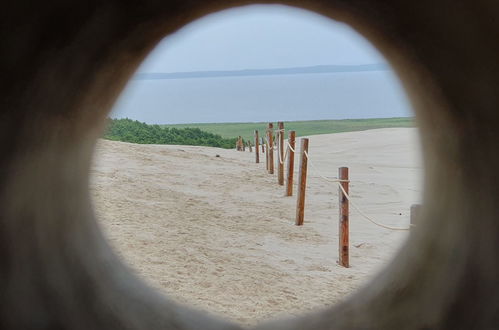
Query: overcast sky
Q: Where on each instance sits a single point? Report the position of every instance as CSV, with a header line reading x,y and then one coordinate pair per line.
x,y
260,36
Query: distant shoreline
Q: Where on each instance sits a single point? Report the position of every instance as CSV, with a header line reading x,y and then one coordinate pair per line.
x,y
317,69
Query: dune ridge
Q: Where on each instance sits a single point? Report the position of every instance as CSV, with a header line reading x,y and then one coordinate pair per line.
x,y
218,233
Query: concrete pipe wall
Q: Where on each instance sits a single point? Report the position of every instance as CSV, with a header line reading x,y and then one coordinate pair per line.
x,y
62,66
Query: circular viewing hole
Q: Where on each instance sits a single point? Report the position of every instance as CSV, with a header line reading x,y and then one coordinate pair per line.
x,y
212,228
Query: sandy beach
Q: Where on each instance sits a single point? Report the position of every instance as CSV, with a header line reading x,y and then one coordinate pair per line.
x,y
218,233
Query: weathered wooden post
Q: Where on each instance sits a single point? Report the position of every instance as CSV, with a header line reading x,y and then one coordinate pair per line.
x,y
291,163
276,148
344,218
243,146
263,145
238,143
280,156
250,146
257,148
415,212
267,153
270,149
300,201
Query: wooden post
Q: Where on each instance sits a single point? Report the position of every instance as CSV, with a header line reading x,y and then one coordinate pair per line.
x,y
291,164
276,147
343,222
300,201
267,153
250,146
415,212
243,146
270,150
263,145
257,148
280,156
237,144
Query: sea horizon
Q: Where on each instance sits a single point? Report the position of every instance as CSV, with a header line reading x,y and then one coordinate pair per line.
x,y
264,98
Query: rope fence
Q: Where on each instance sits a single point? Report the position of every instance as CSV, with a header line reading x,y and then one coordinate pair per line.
x,y
268,144
355,206
342,181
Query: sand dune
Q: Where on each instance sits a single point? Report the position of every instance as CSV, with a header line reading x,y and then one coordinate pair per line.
x,y
217,232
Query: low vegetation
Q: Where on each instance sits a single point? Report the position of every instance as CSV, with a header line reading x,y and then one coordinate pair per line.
x,y
302,128
127,130
224,135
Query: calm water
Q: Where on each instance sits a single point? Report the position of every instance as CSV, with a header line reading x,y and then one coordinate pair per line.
x,y
264,98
